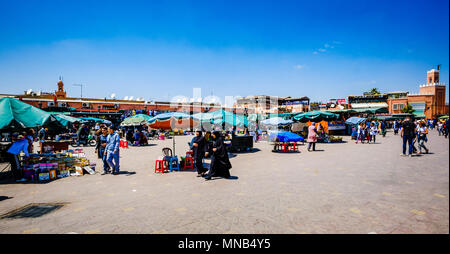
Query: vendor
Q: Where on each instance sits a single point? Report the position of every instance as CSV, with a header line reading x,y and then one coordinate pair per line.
x,y
20,145
41,134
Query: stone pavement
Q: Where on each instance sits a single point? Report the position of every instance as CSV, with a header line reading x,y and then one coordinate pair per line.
x,y
342,188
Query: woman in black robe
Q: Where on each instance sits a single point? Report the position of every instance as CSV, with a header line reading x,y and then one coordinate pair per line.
x,y
198,148
220,163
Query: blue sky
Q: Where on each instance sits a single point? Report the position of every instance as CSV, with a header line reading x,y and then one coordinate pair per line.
x,y
160,49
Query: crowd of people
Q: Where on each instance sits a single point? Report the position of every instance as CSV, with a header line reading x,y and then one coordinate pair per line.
x,y
211,144
368,131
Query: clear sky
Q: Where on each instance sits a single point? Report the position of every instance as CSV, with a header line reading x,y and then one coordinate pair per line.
x,y
160,49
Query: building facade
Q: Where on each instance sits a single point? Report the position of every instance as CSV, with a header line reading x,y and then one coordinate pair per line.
x,y
264,104
58,101
429,103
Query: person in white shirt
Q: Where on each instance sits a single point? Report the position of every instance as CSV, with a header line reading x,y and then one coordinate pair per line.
x,y
440,125
373,132
360,134
422,132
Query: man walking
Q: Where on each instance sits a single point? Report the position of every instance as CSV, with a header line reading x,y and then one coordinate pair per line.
x,y
408,133
112,150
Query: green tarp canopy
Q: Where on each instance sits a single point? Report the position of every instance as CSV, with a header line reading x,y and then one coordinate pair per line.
x,y
167,116
286,115
17,114
65,120
136,120
315,116
221,117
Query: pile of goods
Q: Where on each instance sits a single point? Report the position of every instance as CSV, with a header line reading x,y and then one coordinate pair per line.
x,y
50,166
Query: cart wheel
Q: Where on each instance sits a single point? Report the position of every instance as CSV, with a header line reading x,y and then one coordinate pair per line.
x,y
92,142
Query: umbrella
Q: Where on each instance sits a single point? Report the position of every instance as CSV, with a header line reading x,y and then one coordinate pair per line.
x,y
17,114
93,119
221,117
171,121
276,121
315,116
443,117
286,137
136,120
64,120
355,120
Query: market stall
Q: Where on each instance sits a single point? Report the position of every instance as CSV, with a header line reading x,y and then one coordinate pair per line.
x,y
220,118
285,141
328,122
353,123
136,120
173,120
16,115
45,167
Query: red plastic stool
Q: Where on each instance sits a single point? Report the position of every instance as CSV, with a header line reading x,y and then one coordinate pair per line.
x,y
285,147
294,146
188,162
189,153
160,165
125,144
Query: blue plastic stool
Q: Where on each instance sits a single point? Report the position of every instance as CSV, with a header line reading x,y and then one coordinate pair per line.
x,y
171,166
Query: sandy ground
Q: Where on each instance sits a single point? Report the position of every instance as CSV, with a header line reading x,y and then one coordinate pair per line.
x,y
342,188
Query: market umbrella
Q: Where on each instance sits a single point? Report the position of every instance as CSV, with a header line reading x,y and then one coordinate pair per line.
x,y
93,119
316,116
17,114
286,137
136,120
355,120
221,117
171,120
276,121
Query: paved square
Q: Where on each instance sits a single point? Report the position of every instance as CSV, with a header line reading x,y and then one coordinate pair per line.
x,y
342,188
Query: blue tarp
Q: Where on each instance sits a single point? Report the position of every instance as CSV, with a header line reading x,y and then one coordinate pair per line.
x,y
286,137
355,120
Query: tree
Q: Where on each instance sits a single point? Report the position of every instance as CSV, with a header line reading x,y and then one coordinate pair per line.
x,y
373,91
408,109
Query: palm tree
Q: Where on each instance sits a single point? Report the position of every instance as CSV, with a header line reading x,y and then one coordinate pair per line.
x,y
373,91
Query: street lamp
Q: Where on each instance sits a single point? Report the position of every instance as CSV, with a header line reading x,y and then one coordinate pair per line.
x,y
81,86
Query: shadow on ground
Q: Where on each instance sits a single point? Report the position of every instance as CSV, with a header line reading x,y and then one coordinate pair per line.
x,y
4,198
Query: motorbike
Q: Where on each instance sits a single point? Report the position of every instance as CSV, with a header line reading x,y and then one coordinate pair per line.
x,y
89,141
